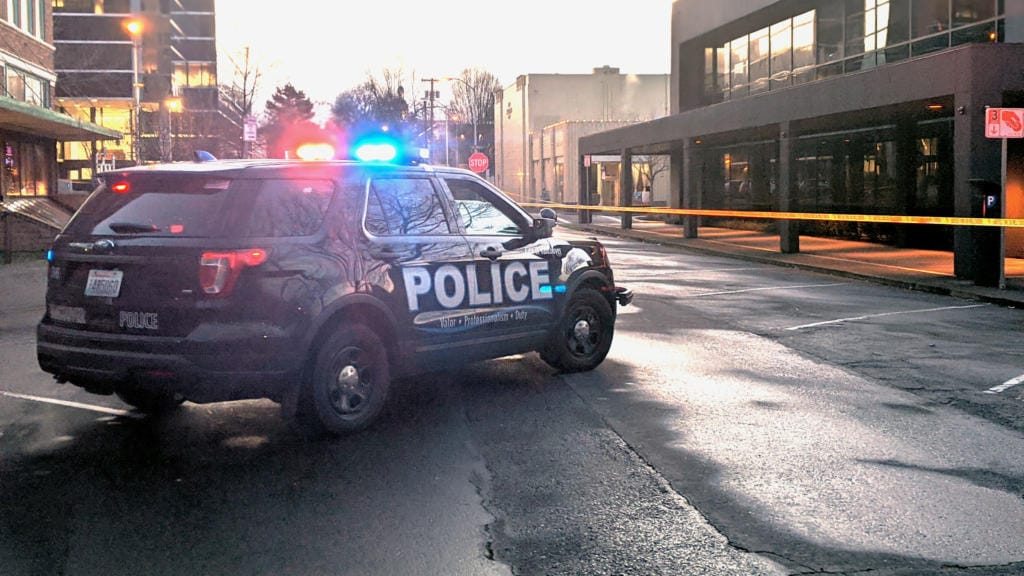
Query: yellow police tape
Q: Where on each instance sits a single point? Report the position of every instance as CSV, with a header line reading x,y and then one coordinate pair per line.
x,y
874,218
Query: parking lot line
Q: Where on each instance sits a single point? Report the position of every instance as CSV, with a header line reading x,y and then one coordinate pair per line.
x,y
865,317
1005,385
766,288
69,404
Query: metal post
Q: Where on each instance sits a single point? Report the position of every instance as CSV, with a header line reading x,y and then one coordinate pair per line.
x,y
136,99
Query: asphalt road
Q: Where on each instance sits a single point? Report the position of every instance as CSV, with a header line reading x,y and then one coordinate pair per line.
x,y
749,420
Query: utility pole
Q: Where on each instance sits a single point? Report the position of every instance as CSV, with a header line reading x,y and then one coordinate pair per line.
x,y
431,94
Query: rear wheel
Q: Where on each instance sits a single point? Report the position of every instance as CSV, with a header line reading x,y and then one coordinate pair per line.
x,y
349,384
583,336
149,401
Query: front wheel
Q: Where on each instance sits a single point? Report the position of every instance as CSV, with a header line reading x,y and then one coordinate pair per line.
x,y
583,335
349,384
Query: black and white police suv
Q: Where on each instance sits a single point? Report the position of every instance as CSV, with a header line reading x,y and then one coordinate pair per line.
x,y
312,284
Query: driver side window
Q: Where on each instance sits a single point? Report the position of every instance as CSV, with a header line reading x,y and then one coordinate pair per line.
x,y
479,215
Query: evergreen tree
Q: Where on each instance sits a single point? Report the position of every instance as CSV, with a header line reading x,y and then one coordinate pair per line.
x,y
289,115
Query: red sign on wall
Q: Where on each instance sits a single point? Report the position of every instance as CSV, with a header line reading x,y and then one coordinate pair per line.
x,y
1004,123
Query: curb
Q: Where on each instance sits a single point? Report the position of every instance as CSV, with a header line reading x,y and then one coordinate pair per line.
x,y
943,288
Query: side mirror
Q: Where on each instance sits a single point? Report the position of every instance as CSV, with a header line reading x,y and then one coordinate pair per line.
x,y
544,225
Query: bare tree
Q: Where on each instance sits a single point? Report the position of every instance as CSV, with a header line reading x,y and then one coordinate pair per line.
x,y
473,95
241,94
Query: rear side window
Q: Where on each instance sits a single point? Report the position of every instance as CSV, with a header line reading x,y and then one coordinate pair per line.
x,y
404,207
187,205
288,208
165,205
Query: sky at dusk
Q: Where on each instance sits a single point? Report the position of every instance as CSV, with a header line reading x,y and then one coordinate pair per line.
x,y
324,47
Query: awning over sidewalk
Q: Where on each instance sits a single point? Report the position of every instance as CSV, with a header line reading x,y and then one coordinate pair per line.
x,y
30,119
40,209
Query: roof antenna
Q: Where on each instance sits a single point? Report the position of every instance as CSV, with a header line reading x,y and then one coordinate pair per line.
x,y
203,156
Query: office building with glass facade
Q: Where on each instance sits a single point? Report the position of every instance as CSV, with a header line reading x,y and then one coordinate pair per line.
x,y
171,59
841,106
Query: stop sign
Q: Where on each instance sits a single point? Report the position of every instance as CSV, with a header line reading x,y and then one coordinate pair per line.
x,y
478,162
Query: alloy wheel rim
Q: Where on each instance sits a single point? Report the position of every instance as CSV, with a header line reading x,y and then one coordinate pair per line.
x,y
349,391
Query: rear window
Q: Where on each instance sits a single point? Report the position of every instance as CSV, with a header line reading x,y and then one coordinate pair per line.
x,y
202,206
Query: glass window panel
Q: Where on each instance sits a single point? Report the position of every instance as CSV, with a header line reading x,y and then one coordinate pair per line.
x,y
724,83
930,44
829,32
759,60
781,64
710,90
967,12
929,17
894,54
738,62
975,34
855,30
896,22
829,70
15,84
803,41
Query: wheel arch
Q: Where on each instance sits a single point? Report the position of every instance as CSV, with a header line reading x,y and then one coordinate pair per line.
x,y
594,280
357,308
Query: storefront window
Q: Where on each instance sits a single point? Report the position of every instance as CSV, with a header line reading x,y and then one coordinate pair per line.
x,y
25,168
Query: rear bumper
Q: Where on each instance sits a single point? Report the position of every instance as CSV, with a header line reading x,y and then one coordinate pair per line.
x,y
199,371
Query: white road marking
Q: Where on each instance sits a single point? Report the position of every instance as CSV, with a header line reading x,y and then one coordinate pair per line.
x,y
79,405
855,318
1005,385
766,288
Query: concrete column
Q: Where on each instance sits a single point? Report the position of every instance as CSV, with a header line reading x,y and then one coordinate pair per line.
x,y
626,187
690,181
789,230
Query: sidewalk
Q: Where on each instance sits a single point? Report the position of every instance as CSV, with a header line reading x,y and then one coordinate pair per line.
x,y
926,270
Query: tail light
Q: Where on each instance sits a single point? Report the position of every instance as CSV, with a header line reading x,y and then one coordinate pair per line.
x,y
218,271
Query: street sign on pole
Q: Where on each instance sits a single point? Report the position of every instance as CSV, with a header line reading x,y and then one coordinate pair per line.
x,y
249,129
1004,123
478,162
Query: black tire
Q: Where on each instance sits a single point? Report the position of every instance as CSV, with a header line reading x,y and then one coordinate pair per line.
x,y
583,335
349,384
149,401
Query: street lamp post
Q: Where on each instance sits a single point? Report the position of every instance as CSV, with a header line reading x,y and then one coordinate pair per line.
x,y
134,29
173,106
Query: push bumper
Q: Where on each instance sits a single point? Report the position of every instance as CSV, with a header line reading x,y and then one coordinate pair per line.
x,y
623,296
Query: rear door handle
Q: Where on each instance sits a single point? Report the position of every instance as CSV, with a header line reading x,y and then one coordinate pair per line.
x,y
389,252
491,253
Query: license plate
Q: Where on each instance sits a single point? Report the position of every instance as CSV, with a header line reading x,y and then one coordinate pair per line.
x,y
104,283
72,314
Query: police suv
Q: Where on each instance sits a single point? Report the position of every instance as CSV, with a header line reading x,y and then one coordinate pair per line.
x,y
310,283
